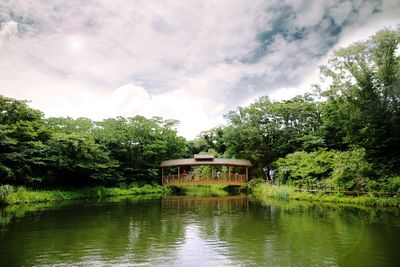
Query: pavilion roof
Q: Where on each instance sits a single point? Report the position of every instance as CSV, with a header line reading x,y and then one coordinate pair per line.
x,y
200,159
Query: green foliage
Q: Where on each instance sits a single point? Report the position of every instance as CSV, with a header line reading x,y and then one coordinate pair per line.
x,y
347,170
75,159
305,169
362,107
79,152
207,190
253,183
210,141
11,195
5,190
22,142
393,184
267,130
139,144
351,170
265,191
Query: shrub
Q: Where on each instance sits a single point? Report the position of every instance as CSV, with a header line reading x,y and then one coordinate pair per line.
x,y
327,169
5,190
350,169
305,169
393,184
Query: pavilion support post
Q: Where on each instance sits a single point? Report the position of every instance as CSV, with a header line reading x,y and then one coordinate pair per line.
x,y
247,173
162,176
229,173
179,173
212,172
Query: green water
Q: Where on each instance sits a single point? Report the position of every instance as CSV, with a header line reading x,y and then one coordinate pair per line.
x,y
197,231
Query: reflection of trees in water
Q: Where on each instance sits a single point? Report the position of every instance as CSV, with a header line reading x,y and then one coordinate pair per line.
x,y
240,228
283,233
205,205
128,231
248,233
330,235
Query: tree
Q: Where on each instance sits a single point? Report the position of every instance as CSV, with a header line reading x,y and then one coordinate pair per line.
x,y
69,125
140,144
362,107
211,140
23,140
76,160
267,130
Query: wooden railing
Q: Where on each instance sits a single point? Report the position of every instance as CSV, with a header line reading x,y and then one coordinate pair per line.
x,y
188,179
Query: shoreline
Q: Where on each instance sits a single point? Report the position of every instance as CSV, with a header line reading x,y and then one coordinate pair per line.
x,y
261,191
22,195
265,190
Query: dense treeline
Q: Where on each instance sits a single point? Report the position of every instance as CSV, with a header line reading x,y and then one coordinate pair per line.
x,y
79,152
344,135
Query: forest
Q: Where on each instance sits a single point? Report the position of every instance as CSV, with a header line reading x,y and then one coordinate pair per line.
x,y
343,135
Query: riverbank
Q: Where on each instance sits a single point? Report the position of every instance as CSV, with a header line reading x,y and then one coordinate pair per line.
x,y
202,190
265,190
16,195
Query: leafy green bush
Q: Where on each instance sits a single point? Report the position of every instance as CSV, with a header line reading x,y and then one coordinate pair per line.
x,y
22,195
334,170
305,169
253,183
350,169
393,184
266,191
5,190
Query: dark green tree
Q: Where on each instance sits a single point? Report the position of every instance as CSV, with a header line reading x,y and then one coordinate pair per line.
x,y
362,107
23,140
266,130
76,160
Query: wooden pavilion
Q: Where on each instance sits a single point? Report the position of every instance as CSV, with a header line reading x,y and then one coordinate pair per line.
x,y
184,174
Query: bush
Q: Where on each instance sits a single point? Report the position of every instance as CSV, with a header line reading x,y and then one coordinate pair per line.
x,y
5,190
253,183
393,184
305,169
334,170
350,169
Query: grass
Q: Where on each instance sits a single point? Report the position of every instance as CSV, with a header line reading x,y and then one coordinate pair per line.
x,y
203,190
265,190
16,195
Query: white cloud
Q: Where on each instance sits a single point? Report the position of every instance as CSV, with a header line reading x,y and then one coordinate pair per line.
x,y
341,12
309,13
8,30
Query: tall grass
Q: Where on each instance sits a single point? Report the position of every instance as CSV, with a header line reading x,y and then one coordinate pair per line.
x,y
15,195
263,191
203,190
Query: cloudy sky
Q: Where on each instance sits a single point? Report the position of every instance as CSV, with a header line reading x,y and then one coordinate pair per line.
x,y
179,59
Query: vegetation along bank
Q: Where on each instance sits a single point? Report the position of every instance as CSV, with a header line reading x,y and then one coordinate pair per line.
x,y
16,195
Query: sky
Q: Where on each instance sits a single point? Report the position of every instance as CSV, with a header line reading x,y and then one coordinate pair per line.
x,y
189,60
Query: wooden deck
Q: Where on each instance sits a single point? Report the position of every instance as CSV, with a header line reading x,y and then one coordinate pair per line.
x,y
223,179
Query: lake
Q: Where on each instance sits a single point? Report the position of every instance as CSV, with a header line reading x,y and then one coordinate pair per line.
x,y
197,231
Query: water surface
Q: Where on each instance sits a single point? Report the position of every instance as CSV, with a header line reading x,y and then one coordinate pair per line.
x,y
197,231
